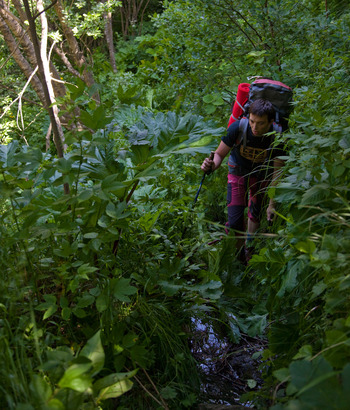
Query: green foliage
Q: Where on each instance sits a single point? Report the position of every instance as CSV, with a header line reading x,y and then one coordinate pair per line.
x,y
63,379
202,50
316,385
105,279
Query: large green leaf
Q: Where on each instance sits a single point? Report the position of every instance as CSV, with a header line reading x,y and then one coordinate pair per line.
x,y
93,350
40,388
8,154
112,379
115,390
290,277
122,289
77,377
317,385
96,119
316,194
170,133
113,184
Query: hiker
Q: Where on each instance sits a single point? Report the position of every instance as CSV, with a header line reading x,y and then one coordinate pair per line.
x,y
253,166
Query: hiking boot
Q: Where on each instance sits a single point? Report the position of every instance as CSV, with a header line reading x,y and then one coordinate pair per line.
x,y
241,257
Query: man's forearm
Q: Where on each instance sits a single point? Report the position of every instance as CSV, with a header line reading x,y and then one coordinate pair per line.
x,y
217,161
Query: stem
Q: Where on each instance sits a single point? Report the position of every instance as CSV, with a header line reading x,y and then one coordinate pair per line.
x,y
246,21
273,35
155,388
147,391
328,348
23,245
116,242
162,402
132,191
77,177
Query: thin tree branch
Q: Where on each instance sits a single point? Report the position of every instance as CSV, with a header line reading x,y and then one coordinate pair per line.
x,y
11,90
19,97
155,388
273,35
162,402
244,19
142,14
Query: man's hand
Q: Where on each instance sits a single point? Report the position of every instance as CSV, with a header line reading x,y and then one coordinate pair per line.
x,y
208,165
213,162
271,212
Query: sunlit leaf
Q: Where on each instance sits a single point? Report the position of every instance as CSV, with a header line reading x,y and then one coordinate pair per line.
x,y
115,390
308,246
76,377
93,350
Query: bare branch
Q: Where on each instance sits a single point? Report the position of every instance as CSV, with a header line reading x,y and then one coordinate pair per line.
x,y
66,61
11,90
19,97
244,19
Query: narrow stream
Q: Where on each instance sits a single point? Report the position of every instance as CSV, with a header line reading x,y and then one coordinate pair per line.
x,y
227,369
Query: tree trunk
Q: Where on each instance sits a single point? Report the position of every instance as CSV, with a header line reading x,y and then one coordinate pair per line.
x,y
132,12
109,38
75,52
46,67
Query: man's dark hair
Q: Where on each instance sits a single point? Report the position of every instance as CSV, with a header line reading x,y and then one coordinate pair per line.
x,y
261,108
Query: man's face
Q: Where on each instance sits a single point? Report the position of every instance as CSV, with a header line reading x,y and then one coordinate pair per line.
x,y
259,125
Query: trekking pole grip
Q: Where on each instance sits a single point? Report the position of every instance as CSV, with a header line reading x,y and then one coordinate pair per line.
x,y
211,157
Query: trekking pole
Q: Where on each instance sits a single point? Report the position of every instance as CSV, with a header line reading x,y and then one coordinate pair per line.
x,y
203,177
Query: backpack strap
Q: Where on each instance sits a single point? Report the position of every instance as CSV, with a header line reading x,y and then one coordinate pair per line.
x,y
243,131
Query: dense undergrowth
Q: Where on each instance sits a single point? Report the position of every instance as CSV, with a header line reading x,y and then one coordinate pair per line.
x,y
112,262
99,286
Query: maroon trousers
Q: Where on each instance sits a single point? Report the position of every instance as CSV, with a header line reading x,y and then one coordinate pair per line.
x,y
243,191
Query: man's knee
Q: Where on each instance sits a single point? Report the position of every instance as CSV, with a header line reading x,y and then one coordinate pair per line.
x,y
254,210
254,218
236,218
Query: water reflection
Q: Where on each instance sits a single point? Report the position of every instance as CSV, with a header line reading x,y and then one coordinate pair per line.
x,y
226,368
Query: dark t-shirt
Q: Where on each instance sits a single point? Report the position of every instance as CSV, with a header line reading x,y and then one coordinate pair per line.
x,y
258,153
